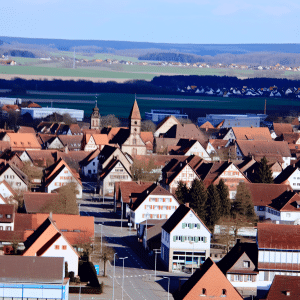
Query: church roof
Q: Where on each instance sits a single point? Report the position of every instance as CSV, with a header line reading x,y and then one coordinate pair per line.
x,y
135,112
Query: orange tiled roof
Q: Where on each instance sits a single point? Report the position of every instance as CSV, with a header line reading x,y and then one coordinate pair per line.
x,y
207,124
208,281
33,105
23,141
101,139
252,133
281,128
25,129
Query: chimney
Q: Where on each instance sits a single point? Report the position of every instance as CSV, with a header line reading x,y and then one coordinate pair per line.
x,y
50,215
288,293
187,204
66,150
238,241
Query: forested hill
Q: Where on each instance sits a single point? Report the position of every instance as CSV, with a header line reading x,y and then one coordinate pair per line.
x,y
197,49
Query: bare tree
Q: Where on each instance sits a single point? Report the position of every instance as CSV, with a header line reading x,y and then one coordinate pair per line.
x,y
148,126
110,120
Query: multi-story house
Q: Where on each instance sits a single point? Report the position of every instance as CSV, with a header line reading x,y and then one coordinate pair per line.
x,y
185,240
60,174
240,267
89,166
153,203
113,172
289,176
278,253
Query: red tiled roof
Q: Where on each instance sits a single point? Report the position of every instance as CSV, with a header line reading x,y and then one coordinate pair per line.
x,y
5,210
23,141
284,287
278,236
210,280
252,133
34,105
36,202
281,128
25,129
264,148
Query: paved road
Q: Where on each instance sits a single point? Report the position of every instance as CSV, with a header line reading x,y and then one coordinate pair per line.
x,y
139,281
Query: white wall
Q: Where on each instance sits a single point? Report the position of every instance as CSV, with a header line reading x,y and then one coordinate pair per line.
x,y
70,256
4,191
92,167
63,178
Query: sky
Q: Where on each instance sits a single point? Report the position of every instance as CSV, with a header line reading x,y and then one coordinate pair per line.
x,y
160,21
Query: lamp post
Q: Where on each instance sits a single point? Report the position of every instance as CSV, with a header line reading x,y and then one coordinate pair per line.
x,y
146,228
155,250
113,297
123,275
79,290
101,235
192,242
168,287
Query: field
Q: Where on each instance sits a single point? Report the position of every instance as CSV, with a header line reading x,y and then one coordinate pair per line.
x,y
120,104
62,69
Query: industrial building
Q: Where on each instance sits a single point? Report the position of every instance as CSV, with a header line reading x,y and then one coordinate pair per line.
x,y
10,101
43,112
157,115
245,120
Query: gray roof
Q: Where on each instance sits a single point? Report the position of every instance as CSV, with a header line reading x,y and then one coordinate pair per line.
x,y
31,269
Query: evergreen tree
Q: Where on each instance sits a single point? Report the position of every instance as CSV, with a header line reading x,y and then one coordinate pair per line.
x,y
243,204
182,192
213,211
198,198
264,172
224,198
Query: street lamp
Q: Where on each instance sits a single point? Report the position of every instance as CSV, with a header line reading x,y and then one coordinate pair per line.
x,y
155,250
123,275
113,297
168,287
79,290
101,224
192,242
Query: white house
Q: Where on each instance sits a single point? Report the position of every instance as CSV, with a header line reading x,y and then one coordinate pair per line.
x,y
185,240
7,217
14,177
289,176
6,191
154,203
89,166
60,174
48,241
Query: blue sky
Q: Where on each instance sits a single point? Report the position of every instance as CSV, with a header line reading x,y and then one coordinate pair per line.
x,y
166,21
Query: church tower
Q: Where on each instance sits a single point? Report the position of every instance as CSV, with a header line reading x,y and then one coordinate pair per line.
x,y
135,120
95,118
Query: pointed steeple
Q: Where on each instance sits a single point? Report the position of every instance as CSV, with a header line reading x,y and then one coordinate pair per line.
x,y
135,112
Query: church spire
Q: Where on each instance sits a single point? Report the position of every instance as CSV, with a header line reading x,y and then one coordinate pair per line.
x,y
135,111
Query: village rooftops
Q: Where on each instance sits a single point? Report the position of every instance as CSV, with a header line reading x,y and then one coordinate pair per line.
x,y
281,128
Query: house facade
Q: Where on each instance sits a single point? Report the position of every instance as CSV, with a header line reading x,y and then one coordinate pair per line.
x,y
154,203
185,241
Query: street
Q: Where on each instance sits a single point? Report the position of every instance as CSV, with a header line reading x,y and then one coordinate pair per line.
x,y
139,279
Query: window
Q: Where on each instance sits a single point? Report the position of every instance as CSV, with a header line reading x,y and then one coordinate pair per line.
x,y
249,277
64,247
8,216
8,228
1,227
56,247
224,292
246,264
203,292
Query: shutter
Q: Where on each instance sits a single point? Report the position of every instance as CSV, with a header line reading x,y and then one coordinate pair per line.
x,y
174,238
170,208
183,225
205,239
253,278
196,239
143,215
156,199
164,200
198,226
191,225
170,199
182,238
145,207
150,216
231,277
